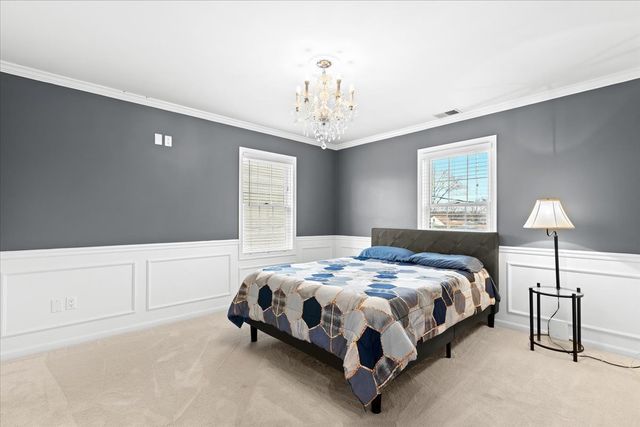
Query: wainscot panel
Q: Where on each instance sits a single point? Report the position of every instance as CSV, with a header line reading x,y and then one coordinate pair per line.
x,y
31,297
208,279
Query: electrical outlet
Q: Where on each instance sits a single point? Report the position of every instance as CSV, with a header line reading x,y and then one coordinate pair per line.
x,y
168,141
158,139
56,305
71,303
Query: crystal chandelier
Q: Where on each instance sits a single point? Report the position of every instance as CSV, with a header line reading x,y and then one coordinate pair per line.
x,y
322,108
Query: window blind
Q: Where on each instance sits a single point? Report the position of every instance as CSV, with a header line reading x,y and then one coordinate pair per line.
x,y
456,191
267,205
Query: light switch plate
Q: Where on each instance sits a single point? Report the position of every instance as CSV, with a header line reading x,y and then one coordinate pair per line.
x,y
158,139
168,141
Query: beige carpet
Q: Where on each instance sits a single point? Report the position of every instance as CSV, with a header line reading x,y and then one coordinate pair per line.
x,y
205,372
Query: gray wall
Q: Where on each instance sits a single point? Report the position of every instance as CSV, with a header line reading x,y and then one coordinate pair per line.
x,y
584,149
78,169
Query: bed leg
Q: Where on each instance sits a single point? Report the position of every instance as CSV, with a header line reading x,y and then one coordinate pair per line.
x,y
448,350
376,404
491,320
254,334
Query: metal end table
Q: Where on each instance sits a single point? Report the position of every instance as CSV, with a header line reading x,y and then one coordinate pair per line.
x,y
576,316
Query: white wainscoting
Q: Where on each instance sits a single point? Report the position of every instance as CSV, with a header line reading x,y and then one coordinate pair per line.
x,y
116,288
350,245
208,278
124,288
106,290
308,248
609,281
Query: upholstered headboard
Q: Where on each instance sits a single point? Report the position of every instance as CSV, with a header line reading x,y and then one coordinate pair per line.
x,y
483,246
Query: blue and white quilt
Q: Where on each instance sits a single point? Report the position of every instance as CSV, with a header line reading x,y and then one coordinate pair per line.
x,y
369,313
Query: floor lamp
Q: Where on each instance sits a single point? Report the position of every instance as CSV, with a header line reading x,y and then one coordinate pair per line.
x,y
548,214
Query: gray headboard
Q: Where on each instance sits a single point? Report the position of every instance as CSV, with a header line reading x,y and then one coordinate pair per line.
x,y
483,246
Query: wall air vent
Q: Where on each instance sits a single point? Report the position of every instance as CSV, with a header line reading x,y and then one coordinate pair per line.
x,y
447,114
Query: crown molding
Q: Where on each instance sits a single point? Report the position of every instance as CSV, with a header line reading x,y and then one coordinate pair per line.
x,y
59,80
611,79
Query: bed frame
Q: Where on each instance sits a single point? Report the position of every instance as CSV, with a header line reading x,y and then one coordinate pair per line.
x,y
483,246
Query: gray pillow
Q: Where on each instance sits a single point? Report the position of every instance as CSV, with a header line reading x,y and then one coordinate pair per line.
x,y
449,262
387,253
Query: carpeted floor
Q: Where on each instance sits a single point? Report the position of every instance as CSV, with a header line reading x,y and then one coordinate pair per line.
x,y
206,372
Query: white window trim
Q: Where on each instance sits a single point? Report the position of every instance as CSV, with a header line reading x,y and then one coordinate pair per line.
x,y
272,157
462,147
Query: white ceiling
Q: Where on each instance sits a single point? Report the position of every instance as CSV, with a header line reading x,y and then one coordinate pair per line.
x,y
408,60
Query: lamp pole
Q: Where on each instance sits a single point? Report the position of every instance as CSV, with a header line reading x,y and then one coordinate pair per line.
x,y
555,252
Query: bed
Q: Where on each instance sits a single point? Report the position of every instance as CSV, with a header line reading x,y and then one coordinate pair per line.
x,y
369,318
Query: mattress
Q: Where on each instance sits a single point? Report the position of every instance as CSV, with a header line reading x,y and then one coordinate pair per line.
x,y
369,313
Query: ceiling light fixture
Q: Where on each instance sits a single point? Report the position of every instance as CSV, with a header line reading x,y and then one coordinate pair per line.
x,y
322,109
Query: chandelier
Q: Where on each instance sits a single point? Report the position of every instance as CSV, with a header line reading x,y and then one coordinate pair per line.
x,y
322,108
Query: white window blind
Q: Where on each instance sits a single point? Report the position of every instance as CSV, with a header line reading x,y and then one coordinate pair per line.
x,y
457,186
267,202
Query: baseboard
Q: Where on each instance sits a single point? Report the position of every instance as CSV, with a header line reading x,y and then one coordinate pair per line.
x,y
588,344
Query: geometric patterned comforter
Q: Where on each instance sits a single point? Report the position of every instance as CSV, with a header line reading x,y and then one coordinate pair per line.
x,y
369,313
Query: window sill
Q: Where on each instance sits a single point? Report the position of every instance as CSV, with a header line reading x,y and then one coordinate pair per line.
x,y
264,255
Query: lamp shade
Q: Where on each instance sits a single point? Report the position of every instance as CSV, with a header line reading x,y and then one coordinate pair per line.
x,y
549,214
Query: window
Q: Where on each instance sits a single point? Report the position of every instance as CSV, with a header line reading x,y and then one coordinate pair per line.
x,y
267,201
457,186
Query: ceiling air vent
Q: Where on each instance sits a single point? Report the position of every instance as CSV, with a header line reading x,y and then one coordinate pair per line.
x,y
447,113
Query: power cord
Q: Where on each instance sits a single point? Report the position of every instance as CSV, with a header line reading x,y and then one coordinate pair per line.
x,y
585,355
609,363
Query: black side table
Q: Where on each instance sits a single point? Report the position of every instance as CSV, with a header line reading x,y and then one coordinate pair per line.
x,y
576,316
